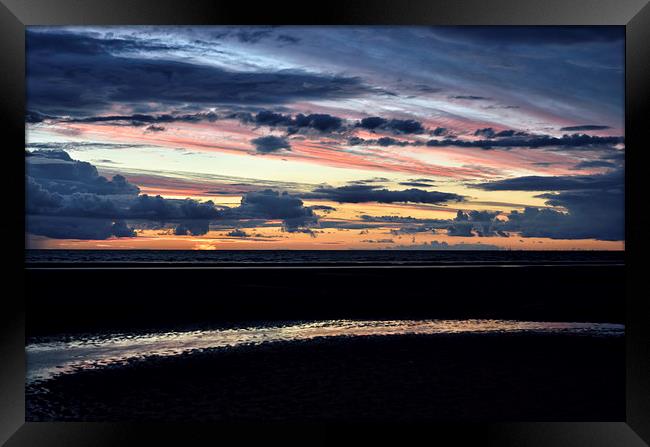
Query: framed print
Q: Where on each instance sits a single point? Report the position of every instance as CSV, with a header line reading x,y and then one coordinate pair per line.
x,y
370,216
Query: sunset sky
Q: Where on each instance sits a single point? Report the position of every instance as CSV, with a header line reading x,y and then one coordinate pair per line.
x,y
212,137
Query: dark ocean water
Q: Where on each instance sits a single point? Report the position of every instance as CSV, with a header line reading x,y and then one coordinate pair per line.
x,y
315,257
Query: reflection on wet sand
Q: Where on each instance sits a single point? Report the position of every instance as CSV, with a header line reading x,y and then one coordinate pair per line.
x,y
46,360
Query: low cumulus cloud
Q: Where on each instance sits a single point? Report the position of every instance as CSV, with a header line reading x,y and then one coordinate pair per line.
x,y
40,199
192,228
271,143
589,216
473,223
442,245
324,208
273,205
585,206
577,207
66,198
161,209
326,123
237,233
57,172
396,126
400,219
489,132
476,223
320,122
64,227
153,128
371,193
411,230
567,141
555,183
504,139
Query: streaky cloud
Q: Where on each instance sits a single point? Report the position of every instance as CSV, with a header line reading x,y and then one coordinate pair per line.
x,y
370,193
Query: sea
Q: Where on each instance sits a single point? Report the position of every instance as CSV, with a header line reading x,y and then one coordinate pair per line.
x,y
36,258
181,359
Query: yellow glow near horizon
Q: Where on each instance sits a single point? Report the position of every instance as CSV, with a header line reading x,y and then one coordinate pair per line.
x,y
273,238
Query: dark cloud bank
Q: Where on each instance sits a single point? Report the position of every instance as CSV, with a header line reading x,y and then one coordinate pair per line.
x,y
505,139
101,78
270,144
320,122
594,204
68,199
396,126
336,126
371,193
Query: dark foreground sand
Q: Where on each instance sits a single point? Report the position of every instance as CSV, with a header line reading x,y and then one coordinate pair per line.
x,y
396,378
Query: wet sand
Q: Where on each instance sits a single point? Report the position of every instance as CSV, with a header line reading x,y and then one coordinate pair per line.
x,y
487,377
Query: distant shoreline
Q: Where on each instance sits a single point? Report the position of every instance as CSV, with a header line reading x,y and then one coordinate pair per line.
x,y
324,258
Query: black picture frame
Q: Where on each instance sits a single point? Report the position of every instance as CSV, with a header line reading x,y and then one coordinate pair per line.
x,y
16,14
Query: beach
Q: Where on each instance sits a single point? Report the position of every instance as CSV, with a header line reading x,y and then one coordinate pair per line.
x,y
177,361
483,377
